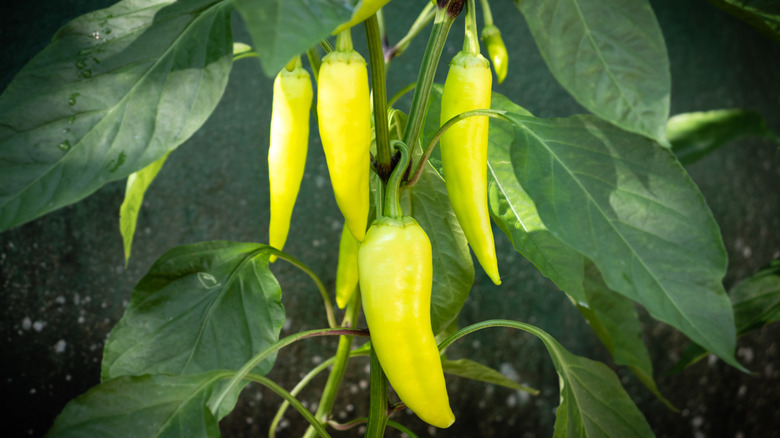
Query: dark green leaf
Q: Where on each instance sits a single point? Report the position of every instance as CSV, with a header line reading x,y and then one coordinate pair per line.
x,y
614,319
610,55
281,29
628,205
145,406
115,91
756,302
476,371
137,183
695,135
206,306
764,15
453,270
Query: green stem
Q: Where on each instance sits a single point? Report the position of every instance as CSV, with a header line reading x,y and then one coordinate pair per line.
x,y
377,413
295,62
441,27
326,46
273,348
270,384
497,114
295,391
487,16
471,40
401,93
419,24
344,41
340,367
393,189
314,61
379,93
320,286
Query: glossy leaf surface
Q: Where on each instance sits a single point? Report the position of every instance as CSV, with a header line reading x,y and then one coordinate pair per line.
x,y
116,90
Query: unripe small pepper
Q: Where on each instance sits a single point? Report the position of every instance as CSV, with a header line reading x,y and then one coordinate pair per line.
x,y
291,106
395,268
344,114
347,269
496,49
464,154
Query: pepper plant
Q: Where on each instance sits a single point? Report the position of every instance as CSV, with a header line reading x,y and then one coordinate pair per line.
x,y
600,203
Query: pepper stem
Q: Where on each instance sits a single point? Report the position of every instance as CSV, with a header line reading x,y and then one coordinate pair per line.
x,y
487,16
344,41
471,41
377,64
393,191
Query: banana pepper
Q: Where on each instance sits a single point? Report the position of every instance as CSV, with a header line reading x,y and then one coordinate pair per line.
x,y
464,154
292,98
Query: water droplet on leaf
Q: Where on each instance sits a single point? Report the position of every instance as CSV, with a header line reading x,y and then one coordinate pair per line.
x,y
72,98
85,74
65,145
81,63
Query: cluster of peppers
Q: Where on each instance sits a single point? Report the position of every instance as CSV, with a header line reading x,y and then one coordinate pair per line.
x,y
391,263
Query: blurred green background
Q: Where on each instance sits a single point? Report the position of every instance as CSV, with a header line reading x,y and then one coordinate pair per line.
x,y
63,283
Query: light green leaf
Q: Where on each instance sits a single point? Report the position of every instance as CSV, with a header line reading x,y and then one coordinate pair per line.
x,y
695,135
137,183
629,206
145,406
115,91
610,55
205,306
615,321
476,371
763,15
453,270
281,29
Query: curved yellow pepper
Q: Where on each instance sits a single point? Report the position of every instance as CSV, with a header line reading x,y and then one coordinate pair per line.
x,y
464,154
395,269
344,113
496,50
292,98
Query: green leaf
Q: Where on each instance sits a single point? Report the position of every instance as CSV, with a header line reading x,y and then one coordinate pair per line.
x,y
205,306
516,214
145,406
476,371
593,403
137,183
281,29
615,320
763,15
610,55
116,90
629,206
453,270
756,302
695,135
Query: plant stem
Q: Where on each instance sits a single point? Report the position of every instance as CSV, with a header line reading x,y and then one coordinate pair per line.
x,y
320,286
273,386
273,348
339,367
498,114
441,27
344,41
419,24
487,16
314,61
294,392
393,188
471,40
377,414
376,61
